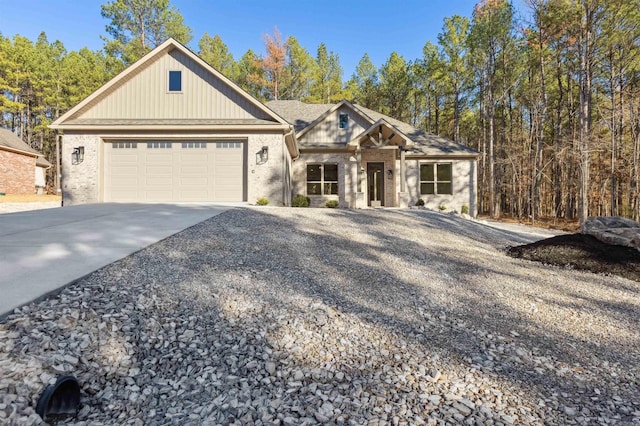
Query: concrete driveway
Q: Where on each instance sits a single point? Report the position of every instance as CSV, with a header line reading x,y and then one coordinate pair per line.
x,y
43,250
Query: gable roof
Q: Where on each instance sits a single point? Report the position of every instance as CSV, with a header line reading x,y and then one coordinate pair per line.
x,y
11,142
305,116
71,120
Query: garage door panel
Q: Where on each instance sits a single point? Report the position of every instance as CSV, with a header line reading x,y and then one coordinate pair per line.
x,y
193,171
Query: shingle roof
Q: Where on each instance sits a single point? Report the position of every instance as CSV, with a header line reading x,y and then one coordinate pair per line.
x,y
297,113
300,115
424,143
10,140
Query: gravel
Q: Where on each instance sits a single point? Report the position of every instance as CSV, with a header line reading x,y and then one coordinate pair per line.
x,y
305,316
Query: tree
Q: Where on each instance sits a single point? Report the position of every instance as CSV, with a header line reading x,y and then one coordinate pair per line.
x,y
273,64
395,87
490,34
327,79
216,53
298,73
250,74
366,81
453,41
137,26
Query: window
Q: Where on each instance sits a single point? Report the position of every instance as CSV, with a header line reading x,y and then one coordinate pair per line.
x,y
344,120
124,145
159,145
322,179
175,81
228,145
435,178
188,145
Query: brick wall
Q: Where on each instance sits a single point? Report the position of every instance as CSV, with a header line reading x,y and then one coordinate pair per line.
x,y
17,173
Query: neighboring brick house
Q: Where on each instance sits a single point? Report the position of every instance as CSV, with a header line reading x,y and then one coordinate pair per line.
x,y
21,167
171,128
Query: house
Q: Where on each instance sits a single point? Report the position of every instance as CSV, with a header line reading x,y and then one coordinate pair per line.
x,y
170,128
361,158
22,168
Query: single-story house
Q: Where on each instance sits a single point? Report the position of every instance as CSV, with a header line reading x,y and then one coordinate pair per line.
x,y
170,128
22,168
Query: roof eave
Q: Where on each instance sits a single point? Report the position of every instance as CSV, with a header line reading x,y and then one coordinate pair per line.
x,y
147,127
19,151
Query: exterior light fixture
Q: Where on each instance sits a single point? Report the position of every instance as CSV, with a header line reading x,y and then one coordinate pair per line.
x,y
77,156
389,174
262,156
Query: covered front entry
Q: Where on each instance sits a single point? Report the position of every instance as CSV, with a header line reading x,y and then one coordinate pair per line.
x,y
378,150
375,184
174,171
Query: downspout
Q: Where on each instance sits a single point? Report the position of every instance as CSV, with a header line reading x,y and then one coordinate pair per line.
x,y
58,140
286,196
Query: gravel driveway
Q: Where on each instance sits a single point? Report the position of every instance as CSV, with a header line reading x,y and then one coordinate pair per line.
x,y
304,316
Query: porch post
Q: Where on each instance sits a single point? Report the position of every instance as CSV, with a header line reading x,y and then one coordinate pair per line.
x,y
403,177
359,168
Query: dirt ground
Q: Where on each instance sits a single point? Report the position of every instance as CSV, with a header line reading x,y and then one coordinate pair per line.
x,y
31,198
583,252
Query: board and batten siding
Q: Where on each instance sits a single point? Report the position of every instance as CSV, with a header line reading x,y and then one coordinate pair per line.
x,y
145,95
328,131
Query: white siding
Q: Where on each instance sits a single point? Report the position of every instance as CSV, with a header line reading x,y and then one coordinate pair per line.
x,y
146,96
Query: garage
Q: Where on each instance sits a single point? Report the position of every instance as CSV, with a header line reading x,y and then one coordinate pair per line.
x,y
174,171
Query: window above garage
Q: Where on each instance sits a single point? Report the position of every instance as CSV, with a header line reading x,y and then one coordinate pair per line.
x,y
175,81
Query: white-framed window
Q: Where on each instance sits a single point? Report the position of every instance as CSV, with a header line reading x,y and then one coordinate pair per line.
x,y
190,145
343,120
227,145
175,82
124,145
436,178
322,179
158,145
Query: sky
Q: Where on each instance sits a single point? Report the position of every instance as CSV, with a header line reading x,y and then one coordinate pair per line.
x,y
348,28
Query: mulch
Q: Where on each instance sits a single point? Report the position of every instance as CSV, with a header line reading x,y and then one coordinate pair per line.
x,y
583,252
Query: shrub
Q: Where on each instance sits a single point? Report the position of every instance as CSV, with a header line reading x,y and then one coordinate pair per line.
x,y
442,207
464,209
300,201
420,202
262,201
332,204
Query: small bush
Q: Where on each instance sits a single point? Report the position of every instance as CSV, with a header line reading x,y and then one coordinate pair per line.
x,y
464,209
262,201
332,204
300,201
420,202
442,207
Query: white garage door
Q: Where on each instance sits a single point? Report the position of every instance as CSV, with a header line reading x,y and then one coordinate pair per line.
x,y
166,171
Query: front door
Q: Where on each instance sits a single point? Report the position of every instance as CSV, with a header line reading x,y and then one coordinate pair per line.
x,y
375,184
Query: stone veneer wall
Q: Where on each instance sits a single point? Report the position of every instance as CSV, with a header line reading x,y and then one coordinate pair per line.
x,y
17,173
346,177
464,185
267,180
81,182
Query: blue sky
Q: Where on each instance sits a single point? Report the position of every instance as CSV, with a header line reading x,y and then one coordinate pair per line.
x,y
349,28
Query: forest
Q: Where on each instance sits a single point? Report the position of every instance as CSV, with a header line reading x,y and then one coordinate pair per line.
x,y
550,99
